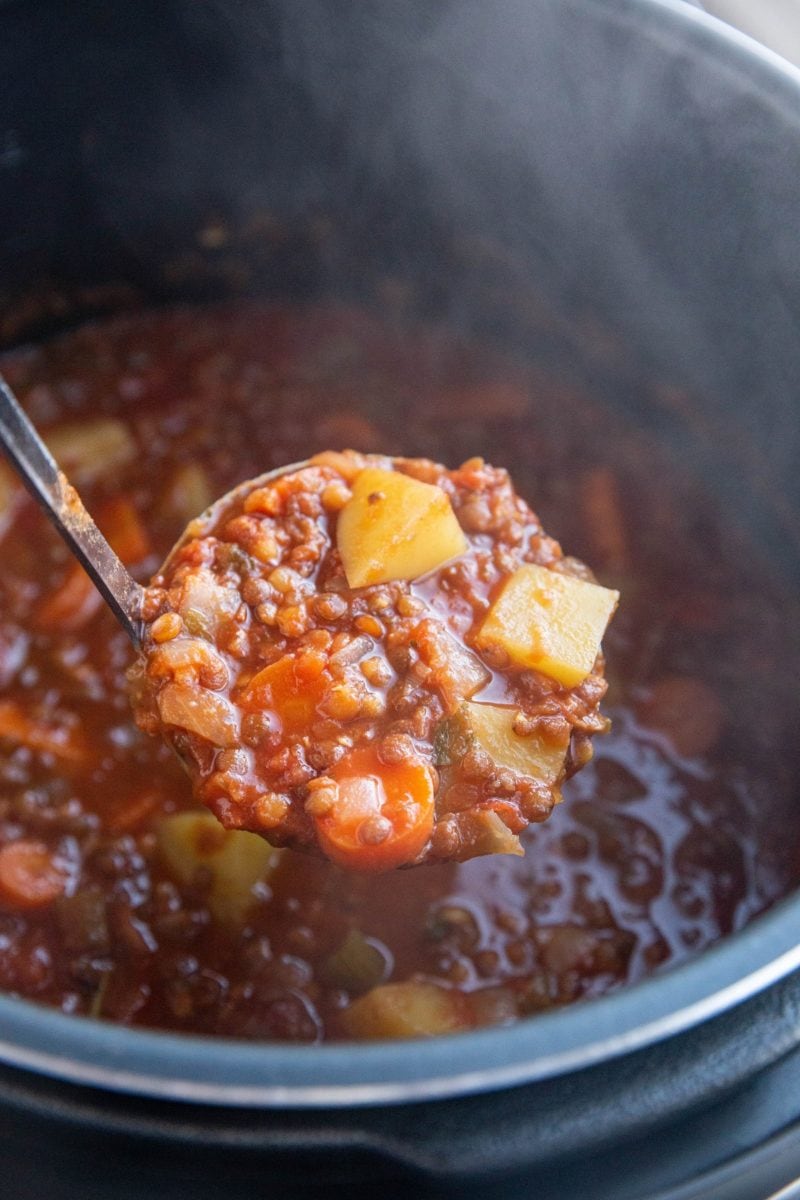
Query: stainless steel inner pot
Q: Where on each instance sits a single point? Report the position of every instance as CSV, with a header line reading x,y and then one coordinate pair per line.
x,y
530,167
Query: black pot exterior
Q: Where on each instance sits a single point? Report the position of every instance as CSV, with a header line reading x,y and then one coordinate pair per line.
x,y
711,1115
737,1075
534,168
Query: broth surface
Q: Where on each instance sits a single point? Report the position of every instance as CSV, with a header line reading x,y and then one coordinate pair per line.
x,y
679,832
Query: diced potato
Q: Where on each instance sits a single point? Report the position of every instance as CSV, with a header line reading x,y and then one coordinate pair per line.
x,y
237,860
66,743
188,493
199,711
395,527
492,727
492,1006
549,622
485,832
89,450
406,1010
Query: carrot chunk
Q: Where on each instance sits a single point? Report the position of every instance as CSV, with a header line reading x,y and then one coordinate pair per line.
x,y
288,689
29,877
72,604
128,817
382,814
604,519
61,741
120,522
76,600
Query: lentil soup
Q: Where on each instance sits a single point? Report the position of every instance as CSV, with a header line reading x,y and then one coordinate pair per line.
x,y
119,899
320,648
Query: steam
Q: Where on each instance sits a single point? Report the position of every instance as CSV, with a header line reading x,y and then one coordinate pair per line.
x,y
628,170
627,160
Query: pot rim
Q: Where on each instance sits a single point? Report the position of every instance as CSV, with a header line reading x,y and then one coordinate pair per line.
x,y
220,1071
205,1070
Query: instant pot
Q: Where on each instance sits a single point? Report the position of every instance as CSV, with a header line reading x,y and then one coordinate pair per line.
x,y
613,184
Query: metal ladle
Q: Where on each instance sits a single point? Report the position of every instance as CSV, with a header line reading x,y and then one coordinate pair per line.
x,y
48,484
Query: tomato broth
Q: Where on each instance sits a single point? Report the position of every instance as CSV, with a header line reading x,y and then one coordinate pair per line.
x,y
678,832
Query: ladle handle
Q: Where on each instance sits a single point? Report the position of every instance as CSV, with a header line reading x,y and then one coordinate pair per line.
x,y
39,472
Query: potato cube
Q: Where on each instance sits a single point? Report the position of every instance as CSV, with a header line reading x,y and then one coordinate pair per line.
x,y
394,527
482,832
406,1010
549,622
492,727
90,450
188,493
236,859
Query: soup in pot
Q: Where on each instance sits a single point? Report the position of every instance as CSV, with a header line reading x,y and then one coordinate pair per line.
x,y
120,899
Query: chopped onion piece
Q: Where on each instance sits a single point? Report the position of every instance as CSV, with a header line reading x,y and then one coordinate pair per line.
x,y
200,711
458,672
205,603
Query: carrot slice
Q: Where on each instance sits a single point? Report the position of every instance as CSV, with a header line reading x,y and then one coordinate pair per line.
x,y
59,740
129,816
291,688
382,814
603,515
76,600
120,522
29,878
72,604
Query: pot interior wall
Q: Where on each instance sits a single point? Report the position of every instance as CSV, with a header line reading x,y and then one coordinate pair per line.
x,y
474,165
431,160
